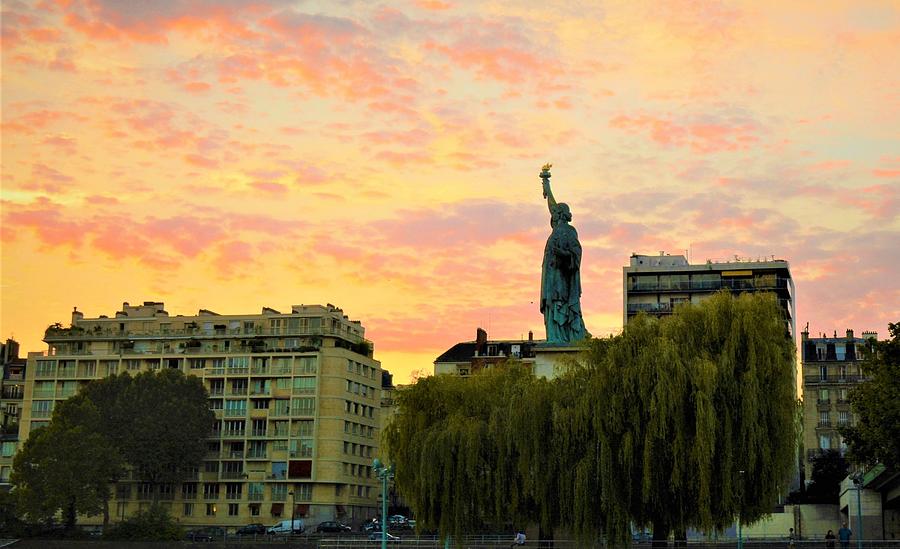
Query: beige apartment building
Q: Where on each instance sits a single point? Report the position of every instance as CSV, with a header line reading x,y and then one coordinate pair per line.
x,y
297,398
831,367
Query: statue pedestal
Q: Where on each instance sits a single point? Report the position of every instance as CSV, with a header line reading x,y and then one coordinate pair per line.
x,y
551,360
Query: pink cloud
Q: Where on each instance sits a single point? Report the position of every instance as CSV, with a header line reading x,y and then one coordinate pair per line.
x,y
715,134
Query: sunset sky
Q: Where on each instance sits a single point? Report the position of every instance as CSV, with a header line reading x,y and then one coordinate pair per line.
x,y
384,157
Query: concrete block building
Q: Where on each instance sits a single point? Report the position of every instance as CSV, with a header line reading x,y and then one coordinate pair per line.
x,y
297,398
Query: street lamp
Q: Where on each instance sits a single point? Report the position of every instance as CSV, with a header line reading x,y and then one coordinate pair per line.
x,y
857,481
293,510
385,473
740,508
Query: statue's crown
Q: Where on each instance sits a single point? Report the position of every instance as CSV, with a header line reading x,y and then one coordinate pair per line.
x,y
546,167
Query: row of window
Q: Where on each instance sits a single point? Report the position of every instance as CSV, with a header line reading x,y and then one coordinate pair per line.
x,y
361,369
302,406
243,386
825,394
359,429
357,470
89,368
212,491
358,409
360,389
361,450
843,372
825,418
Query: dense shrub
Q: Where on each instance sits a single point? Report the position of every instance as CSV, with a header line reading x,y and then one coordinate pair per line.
x,y
153,524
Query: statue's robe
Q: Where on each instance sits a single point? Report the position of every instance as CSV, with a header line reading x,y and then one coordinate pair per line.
x,y
561,286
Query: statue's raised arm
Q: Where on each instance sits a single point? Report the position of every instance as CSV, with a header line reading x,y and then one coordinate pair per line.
x,y
548,193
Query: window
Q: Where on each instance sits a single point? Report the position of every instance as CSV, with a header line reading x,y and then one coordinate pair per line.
x,y
196,363
188,509
210,509
233,490
133,364
145,491
824,419
282,408
46,368
824,442
823,373
41,408
843,418
279,492
8,449
823,395
304,406
232,509
304,385
239,362
303,492
211,491
236,408
305,427
844,371
255,491
189,490
254,509
842,394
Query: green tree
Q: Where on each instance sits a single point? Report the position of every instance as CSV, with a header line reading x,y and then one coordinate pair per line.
x,y
65,466
828,470
876,402
158,422
696,421
676,423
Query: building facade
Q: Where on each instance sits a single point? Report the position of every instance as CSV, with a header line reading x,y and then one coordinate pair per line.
x,y
657,284
297,399
470,357
831,367
12,390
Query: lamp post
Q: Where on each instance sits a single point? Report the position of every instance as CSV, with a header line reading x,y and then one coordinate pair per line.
x,y
740,543
385,473
857,481
293,510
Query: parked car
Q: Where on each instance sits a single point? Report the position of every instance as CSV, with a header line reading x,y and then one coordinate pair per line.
x,y
255,529
401,522
376,536
285,527
333,527
210,533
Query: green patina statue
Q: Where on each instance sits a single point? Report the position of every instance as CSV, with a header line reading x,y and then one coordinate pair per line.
x,y
560,276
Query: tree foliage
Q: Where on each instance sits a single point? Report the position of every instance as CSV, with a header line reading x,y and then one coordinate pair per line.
x,y
65,466
876,403
154,423
653,429
829,468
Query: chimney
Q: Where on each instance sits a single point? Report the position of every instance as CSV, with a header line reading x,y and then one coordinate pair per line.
x,y
849,333
480,340
76,316
530,336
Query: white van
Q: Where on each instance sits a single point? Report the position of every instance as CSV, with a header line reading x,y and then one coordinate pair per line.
x,y
283,528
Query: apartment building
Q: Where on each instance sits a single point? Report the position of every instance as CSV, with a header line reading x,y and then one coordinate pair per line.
x,y
831,367
12,389
297,397
470,357
657,284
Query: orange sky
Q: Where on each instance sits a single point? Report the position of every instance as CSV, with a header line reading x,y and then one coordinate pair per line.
x,y
383,157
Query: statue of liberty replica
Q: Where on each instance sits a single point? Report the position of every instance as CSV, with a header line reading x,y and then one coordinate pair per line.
x,y
560,275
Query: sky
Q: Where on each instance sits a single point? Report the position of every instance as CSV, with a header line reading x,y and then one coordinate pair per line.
x,y
384,157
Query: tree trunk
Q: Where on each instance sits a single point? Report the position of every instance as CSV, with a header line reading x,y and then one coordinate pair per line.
x,y
106,511
660,534
70,515
680,537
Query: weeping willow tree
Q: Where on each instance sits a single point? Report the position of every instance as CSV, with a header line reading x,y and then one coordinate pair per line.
x,y
696,422
652,430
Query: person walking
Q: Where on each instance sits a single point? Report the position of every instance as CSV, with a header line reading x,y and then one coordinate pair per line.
x,y
844,535
829,540
792,539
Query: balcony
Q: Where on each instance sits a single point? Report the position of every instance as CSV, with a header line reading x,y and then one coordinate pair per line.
x,y
652,308
44,393
740,284
238,391
233,474
824,425
232,433
235,412
258,433
257,454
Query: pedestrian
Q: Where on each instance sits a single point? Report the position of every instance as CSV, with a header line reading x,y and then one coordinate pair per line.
x,y
791,538
520,538
829,540
844,535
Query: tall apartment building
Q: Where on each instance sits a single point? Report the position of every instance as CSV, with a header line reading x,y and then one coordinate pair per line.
x,y
831,367
296,395
656,284
12,389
